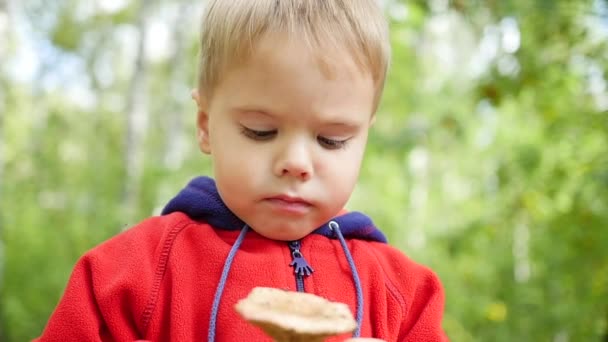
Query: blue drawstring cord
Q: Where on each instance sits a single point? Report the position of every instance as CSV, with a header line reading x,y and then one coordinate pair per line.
x,y
220,287
335,227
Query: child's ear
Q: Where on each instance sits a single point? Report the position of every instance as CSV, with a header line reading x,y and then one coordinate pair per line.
x,y
202,122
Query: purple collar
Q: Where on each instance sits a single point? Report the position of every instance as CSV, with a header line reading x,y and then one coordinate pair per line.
x,y
200,200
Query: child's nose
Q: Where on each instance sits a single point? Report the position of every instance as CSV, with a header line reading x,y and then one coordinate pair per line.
x,y
295,160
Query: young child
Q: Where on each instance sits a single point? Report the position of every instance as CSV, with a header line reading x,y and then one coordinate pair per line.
x,y
287,92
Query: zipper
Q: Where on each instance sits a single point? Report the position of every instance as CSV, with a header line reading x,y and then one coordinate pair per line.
x,y
301,268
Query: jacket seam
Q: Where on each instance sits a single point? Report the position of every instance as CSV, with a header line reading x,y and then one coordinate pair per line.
x,y
159,274
391,287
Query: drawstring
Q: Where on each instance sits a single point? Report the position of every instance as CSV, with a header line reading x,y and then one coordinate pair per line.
x,y
222,284
335,227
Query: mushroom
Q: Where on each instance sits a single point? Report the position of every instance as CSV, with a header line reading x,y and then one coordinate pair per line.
x,y
289,316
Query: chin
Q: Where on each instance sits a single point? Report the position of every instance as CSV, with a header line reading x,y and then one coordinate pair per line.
x,y
283,235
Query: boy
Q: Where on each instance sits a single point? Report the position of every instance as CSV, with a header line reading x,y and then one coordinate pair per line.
x,y
286,95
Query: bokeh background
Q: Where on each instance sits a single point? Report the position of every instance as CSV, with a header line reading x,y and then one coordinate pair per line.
x,y
488,162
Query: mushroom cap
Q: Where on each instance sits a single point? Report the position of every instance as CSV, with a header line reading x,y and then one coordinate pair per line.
x,y
287,312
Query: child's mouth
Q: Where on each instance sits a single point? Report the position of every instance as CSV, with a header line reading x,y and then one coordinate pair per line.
x,y
288,204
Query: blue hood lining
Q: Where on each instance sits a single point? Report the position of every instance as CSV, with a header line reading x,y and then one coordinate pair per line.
x,y
201,201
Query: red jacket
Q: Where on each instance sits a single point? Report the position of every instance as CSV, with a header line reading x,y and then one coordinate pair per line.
x,y
157,280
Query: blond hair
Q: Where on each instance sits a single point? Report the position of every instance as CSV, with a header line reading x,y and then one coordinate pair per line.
x,y
231,28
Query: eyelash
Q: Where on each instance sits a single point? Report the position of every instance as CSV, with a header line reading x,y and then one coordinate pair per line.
x,y
257,135
330,144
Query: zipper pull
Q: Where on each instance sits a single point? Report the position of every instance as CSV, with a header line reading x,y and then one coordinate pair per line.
x,y
299,264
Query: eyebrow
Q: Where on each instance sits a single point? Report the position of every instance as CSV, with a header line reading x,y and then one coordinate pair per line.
x,y
251,110
342,124
330,123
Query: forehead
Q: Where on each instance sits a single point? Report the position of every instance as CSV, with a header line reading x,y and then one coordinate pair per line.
x,y
332,61
283,75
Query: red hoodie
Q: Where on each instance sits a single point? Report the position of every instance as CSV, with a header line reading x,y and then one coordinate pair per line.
x,y
157,281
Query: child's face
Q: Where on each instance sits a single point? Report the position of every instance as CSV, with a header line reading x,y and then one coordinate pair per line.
x,y
285,138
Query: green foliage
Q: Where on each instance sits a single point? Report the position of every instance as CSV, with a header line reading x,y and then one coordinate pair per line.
x,y
491,169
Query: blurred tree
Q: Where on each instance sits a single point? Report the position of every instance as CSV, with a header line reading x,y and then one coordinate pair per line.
x,y
488,160
506,139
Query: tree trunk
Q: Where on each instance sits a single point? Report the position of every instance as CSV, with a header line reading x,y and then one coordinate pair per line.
x,y
174,135
137,122
6,37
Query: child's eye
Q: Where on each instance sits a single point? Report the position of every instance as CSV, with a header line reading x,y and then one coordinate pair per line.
x,y
258,135
331,144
